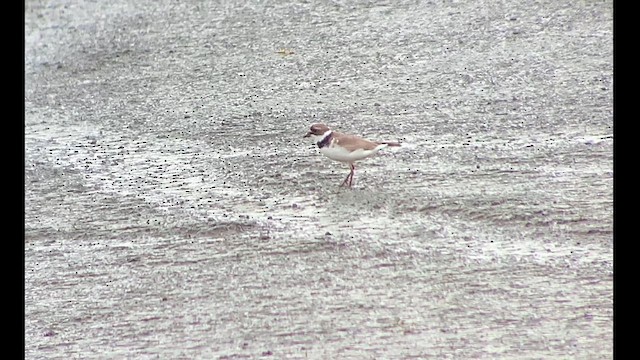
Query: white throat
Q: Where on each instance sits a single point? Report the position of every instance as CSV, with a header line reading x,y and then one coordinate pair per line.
x,y
324,136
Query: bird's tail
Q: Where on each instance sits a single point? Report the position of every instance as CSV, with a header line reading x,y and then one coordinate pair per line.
x,y
390,143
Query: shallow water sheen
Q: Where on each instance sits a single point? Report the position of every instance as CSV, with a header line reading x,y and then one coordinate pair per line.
x,y
173,209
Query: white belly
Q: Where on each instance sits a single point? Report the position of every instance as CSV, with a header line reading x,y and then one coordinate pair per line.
x,y
339,153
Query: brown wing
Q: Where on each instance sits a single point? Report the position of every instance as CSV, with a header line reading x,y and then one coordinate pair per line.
x,y
352,142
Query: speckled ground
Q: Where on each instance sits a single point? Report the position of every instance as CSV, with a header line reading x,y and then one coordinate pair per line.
x,y
173,209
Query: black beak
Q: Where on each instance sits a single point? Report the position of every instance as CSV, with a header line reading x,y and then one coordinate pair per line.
x,y
308,134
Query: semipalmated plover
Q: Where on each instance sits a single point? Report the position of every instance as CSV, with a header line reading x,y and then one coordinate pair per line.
x,y
344,147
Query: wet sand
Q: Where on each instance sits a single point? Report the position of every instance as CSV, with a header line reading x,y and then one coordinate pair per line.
x,y
173,209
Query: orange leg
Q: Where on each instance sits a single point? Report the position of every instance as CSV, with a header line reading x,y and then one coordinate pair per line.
x,y
353,170
349,179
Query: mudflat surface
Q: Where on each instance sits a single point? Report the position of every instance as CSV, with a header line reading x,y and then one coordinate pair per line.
x,y
174,211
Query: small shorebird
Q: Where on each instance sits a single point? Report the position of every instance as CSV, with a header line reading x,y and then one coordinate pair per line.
x,y
344,147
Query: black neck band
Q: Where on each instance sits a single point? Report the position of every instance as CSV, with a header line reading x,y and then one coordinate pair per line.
x,y
325,141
